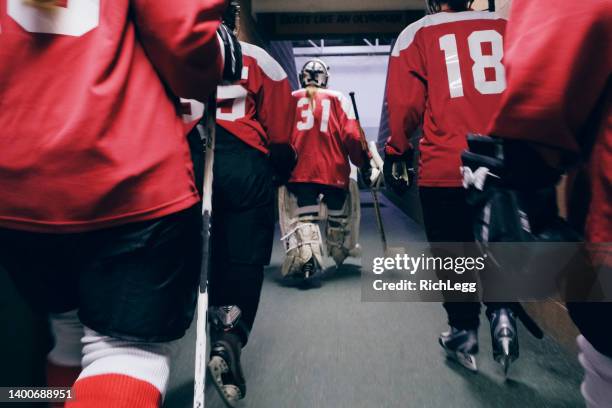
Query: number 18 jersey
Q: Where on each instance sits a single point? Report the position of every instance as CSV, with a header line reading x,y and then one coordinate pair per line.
x,y
446,75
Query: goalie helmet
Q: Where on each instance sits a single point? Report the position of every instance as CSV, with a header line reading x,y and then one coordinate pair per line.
x,y
435,6
315,73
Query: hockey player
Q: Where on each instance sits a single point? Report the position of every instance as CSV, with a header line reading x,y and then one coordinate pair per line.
x,y
446,76
252,154
99,225
565,122
326,135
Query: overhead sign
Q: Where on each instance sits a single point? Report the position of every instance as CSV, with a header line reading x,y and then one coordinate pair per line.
x,y
326,6
295,25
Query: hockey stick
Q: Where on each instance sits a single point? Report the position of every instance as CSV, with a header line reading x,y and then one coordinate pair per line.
x,y
373,189
207,132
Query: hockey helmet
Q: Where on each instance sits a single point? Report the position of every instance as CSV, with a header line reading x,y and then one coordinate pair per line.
x,y
315,73
435,6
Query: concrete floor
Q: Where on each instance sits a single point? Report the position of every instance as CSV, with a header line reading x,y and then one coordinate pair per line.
x,y
325,348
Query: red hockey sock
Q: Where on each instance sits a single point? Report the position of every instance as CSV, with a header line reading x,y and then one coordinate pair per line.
x,y
114,391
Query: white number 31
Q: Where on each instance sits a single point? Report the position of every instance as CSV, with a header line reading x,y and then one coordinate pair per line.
x,y
76,19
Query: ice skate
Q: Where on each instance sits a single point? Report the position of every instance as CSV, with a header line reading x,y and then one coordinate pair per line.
x,y
310,269
504,337
462,346
225,370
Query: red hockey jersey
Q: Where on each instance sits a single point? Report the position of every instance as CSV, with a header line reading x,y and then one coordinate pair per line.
x,y
446,75
559,90
325,137
90,134
259,109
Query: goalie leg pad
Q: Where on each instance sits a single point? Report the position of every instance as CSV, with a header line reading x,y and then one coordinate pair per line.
x,y
300,233
343,227
353,206
337,234
302,244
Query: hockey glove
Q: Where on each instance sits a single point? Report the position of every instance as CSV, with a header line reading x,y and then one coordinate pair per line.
x,y
513,192
398,172
371,171
232,64
283,159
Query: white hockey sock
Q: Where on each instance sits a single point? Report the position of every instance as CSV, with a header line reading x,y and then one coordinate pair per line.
x,y
119,373
597,384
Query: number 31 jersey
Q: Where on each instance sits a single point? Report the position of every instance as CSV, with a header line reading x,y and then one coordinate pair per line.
x,y
325,136
258,109
446,75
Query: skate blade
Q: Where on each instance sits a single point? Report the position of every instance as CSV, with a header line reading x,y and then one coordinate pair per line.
x,y
229,393
505,363
506,358
466,360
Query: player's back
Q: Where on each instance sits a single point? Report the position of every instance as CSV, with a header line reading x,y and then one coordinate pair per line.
x,y
258,108
91,135
458,56
324,118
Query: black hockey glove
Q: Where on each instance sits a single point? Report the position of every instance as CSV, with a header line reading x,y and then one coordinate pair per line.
x,y
513,192
283,159
365,172
398,172
232,64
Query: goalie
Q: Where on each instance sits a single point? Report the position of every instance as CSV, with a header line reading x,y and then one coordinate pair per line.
x,y
320,191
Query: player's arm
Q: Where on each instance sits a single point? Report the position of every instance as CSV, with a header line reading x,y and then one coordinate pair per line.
x,y
537,130
405,100
182,42
551,114
276,107
405,97
276,113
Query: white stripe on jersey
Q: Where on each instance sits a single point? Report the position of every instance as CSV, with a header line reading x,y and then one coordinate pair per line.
x,y
268,65
406,37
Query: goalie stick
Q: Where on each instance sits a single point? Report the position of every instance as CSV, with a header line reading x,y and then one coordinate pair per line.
x,y
373,189
206,128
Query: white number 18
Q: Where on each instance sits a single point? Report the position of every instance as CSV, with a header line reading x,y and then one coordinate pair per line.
x,y
76,19
448,44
